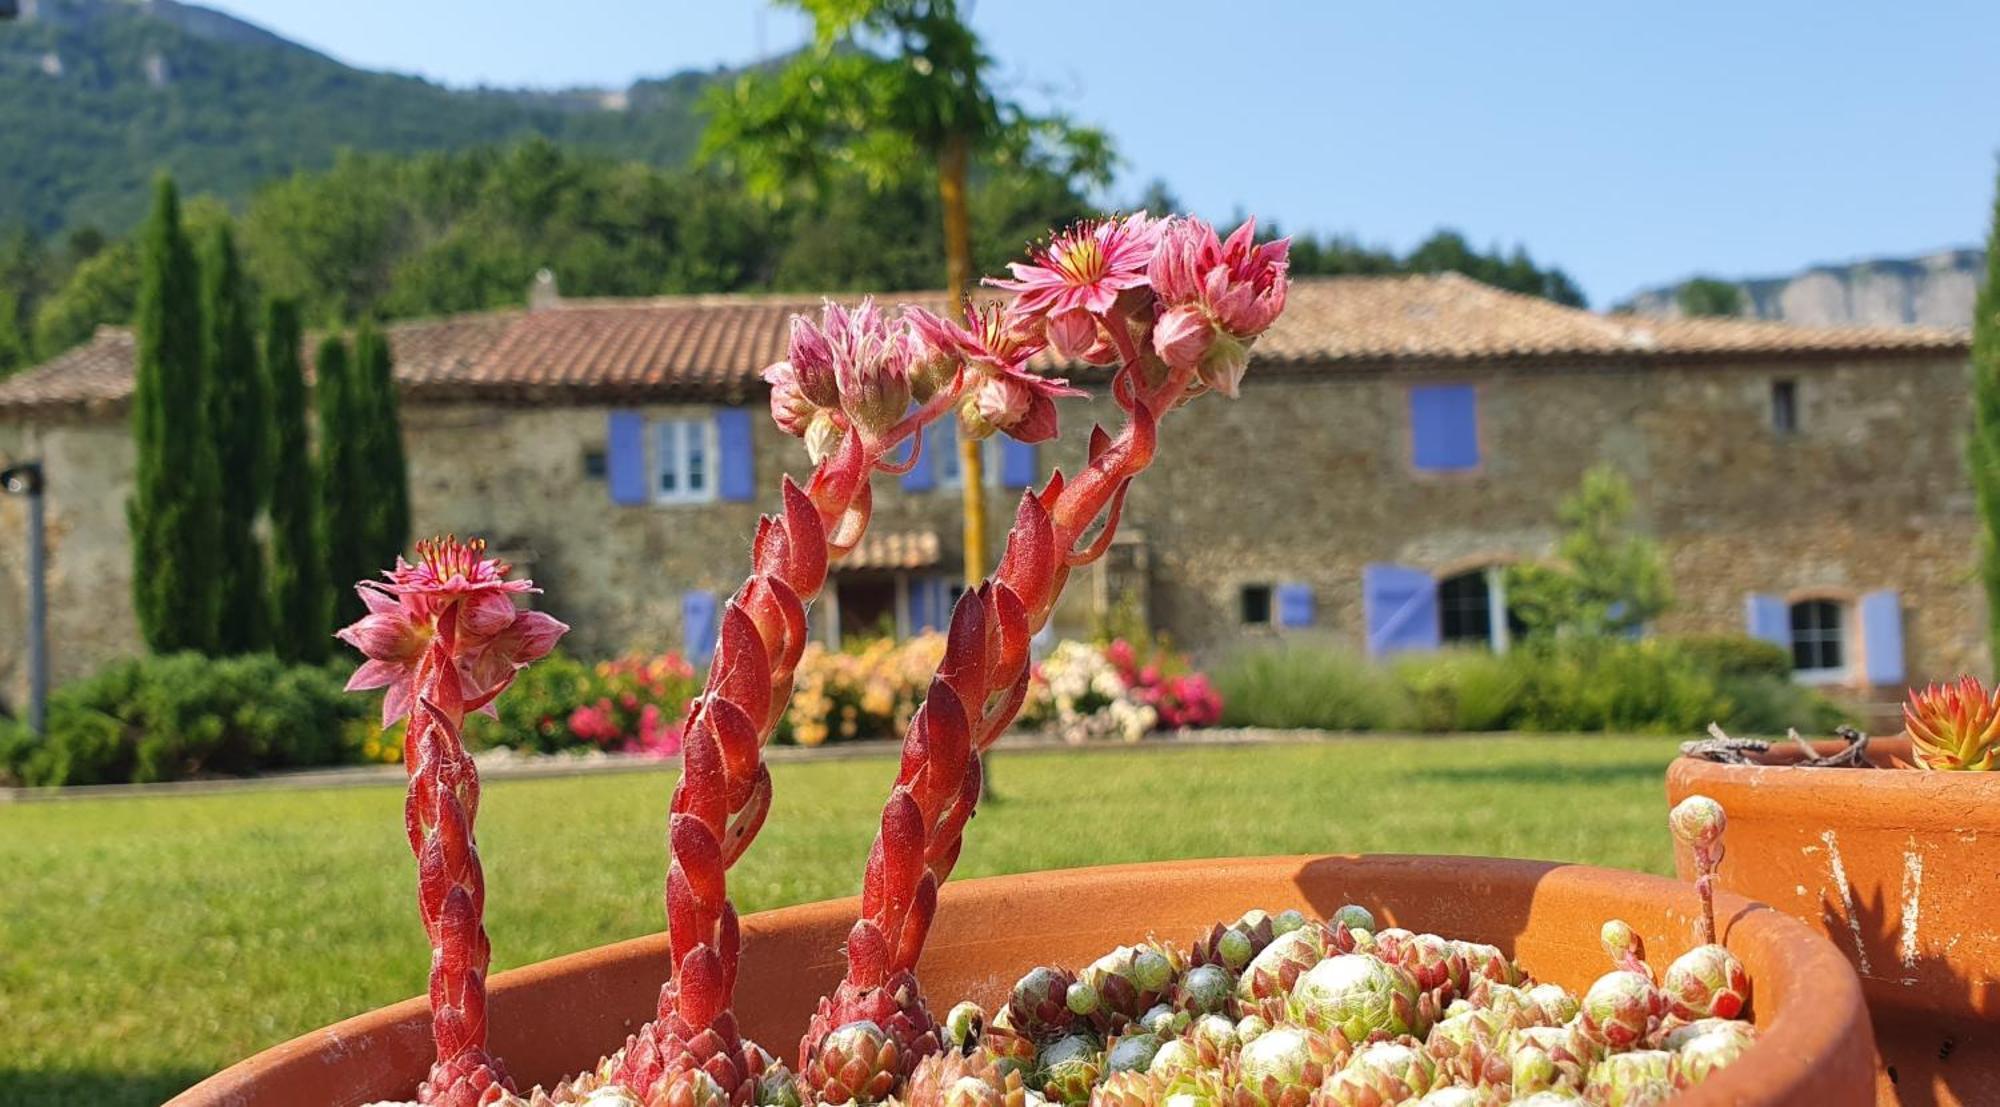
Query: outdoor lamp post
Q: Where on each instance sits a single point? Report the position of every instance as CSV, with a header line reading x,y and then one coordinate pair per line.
x,y
25,479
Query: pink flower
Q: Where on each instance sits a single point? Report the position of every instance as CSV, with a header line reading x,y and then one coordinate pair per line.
x,y
1219,297
995,343
1080,273
855,361
494,639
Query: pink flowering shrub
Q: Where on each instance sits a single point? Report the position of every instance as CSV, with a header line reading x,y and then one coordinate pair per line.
x,y
634,704
1084,691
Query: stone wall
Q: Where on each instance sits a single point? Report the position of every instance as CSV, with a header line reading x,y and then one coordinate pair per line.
x,y
1299,480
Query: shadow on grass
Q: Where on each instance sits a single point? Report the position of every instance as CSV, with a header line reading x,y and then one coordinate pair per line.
x,y
99,1088
1552,771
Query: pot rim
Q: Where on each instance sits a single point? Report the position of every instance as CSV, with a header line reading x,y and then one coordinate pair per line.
x,y
1819,1008
1903,799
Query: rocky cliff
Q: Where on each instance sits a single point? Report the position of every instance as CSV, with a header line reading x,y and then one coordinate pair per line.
x,y
1932,290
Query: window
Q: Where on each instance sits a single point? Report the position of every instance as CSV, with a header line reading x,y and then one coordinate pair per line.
x,y
1255,600
947,460
1819,647
1444,428
1466,604
683,461
596,464
1785,407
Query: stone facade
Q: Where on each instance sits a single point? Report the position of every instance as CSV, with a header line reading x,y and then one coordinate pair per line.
x,y
1304,480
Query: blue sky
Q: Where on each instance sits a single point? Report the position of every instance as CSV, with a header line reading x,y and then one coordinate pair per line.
x,y
1630,144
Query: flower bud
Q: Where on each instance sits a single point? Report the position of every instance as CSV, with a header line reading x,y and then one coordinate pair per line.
x,y
1621,943
1072,333
485,614
388,637
822,437
1183,336
790,408
811,360
1698,821
1002,402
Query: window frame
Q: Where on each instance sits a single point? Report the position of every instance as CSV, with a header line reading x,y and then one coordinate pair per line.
x,y
660,455
1499,622
1840,632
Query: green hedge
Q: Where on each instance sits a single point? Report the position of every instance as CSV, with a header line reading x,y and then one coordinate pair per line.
x,y
185,715
1663,685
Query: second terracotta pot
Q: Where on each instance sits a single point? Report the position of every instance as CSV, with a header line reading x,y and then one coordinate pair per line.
x,y
1901,870
558,1017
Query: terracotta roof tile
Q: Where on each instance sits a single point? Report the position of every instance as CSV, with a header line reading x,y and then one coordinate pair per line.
x,y
714,347
892,550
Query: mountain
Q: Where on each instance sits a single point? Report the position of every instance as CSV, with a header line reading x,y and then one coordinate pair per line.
x,y
98,95
1932,290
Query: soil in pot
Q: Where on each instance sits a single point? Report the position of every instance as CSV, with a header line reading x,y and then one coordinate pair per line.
x,y
1898,868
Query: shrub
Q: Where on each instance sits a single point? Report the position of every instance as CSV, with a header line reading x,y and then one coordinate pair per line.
x,y
1119,688
869,689
634,704
184,715
1309,686
1635,687
1735,655
1461,690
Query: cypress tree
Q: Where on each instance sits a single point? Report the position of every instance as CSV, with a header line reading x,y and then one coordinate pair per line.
x,y
343,478
388,485
239,418
1984,446
301,600
173,512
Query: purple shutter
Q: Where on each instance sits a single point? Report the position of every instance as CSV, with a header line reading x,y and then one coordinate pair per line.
x,y
1017,463
1400,606
1769,618
923,604
1444,427
1882,637
1295,604
738,478
922,476
625,457
698,625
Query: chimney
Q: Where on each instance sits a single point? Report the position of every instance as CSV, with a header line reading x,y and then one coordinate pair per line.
x,y
542,294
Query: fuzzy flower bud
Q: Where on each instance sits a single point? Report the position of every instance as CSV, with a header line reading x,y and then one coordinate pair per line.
x,y
1706,981
1698,821
811,359
790,408
1623,945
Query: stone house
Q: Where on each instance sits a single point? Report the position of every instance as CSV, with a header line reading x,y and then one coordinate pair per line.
x,y
1398,442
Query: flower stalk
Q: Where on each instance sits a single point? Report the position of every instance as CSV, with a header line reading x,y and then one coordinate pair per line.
x,y
1088,295
445,638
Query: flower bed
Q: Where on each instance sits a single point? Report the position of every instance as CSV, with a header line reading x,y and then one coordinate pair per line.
x,y
1083,691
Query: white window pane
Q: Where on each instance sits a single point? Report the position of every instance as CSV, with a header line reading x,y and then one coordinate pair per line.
x,y
670,459
695,435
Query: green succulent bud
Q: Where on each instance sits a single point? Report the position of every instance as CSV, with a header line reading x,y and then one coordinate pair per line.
x,y
1534,1070
1081,997
777,1087
1178,1055
1281,1054
1557,1005
1206,989
1550,1097
1235,948
1640,1078
1284,922
617,1097
1217,1030
1353,916
1070,1067
963,1025
1712,1044
1164,1021
1133,1053
1249,1027
1151,970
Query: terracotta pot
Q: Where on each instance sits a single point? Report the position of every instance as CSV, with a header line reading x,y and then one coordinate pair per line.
x,y
1901,869
558,1017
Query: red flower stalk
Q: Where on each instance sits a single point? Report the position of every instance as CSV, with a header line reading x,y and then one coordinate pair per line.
x,y
444,635
983,678
1699,822
846,389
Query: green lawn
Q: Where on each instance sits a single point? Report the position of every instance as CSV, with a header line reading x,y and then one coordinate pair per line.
x,y
145,943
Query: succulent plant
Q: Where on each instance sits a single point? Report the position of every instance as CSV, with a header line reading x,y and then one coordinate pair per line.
x,y
1555,1005
1233,946
1698,822
1039,1005
1455,1096
857,1061
1131,1053
1361,996
1466,1048
1706,1045
1620,1008
1271,974
1069,1067
1205,989
1283,1066
1485,962
778,1087
1010,1049
1434,963
1955,727
1126,1089
1249,1027
1352,916
1706,981
1380,1074
1623,945
1128,982
1548,1097
1639,1078
1217,1032
963,1026
975,1079
1549,1056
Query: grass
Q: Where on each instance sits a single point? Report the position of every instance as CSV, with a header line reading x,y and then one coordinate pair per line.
x,y
147,942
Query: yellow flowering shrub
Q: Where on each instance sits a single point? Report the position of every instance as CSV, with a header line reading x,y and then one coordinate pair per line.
x,y
869,689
